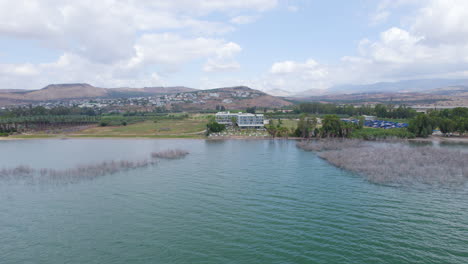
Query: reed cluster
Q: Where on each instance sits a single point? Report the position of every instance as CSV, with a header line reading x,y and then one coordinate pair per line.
x,y
329,144
170,154
72,175
83,172
398,164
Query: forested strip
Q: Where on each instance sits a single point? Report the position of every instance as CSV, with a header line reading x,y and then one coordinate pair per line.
x,y
41,122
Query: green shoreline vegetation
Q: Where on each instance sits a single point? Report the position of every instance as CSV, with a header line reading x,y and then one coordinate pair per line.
x,y
300,121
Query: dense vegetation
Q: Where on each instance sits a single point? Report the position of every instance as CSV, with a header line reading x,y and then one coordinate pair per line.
x,y
22,119
369,133
448,121
214,127
380,110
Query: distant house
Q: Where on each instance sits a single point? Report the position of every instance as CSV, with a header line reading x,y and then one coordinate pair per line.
x,y
369,118
242,120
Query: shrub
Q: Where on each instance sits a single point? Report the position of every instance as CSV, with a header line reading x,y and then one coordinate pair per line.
x,y
379,133
214,127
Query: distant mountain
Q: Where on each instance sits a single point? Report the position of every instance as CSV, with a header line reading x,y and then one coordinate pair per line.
x,y
419,85
427,92
279,92
168,90
83,90
311,92
10,90
238,97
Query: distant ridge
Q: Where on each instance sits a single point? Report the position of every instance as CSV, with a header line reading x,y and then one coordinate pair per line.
x,y
68,91
418,85
238,96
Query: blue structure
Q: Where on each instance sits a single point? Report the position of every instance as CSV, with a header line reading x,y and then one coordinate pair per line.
x,y
380,124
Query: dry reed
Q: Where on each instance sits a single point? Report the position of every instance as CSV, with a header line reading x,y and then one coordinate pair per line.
x,y
398,165
329,144
79,173
170,154
83,172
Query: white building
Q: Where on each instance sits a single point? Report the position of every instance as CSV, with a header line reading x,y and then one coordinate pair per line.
x,y
242,120
225,118
369,118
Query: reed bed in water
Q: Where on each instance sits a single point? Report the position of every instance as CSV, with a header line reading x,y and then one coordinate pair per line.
x,y
82,172
79,173
170,154
330,144
398,165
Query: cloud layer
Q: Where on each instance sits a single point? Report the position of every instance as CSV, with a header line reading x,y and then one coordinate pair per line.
x,y
141,43
433,42
112,42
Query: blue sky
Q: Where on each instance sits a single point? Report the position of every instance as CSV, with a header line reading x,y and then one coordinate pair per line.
x,y
281,46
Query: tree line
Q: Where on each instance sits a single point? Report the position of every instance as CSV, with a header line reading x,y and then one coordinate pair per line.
x,y
332,126
448,121
379,110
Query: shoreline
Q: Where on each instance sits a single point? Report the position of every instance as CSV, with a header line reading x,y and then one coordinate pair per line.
x,y
65,137
441,139
435,139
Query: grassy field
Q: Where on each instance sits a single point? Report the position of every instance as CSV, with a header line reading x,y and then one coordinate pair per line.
x,y
289,123
370,133
150,128
161,128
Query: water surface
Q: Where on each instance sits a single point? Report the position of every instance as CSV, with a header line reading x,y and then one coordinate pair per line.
x,y
227,202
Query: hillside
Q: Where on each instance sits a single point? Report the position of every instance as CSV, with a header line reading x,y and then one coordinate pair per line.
x,y
418,85
185,98
55,92
436,97
424,92
238,97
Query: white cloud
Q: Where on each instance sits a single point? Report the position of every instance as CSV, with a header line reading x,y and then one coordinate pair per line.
x,y
379,17
169,51
173,50
213,65
112,42
241,20
286,67
442,21
224,59
433,42
298,75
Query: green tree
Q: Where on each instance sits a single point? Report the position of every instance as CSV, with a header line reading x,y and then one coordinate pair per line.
x,y
306,126
422,125
214,127
446,125
331,126
251,109
234,121
380,110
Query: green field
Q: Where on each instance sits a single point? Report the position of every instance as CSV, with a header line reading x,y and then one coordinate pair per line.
x,y
161,128
289,123
370,133
164,127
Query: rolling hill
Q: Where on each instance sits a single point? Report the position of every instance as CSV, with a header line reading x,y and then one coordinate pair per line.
x,y
235,97
70,91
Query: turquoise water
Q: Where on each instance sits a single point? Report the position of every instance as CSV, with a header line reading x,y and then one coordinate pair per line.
x,y
227,202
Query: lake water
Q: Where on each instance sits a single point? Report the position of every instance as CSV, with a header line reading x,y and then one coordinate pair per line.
x,y
227,202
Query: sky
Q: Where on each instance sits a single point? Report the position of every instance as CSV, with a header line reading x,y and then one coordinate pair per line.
x,y
289,45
